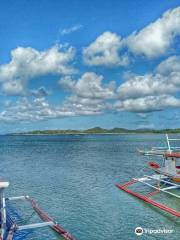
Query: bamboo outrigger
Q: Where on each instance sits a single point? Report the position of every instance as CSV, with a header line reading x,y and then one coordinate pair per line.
x,y
9,227
168,175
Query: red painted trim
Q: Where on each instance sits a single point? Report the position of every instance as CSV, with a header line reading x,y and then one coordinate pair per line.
x,y
148,200
153,165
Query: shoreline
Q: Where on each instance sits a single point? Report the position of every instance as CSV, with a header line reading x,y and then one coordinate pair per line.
x,y
56,134
96,131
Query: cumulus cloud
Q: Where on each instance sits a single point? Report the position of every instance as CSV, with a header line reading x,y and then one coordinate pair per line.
x,y
74,28
38,109
151,91
89,85
156,38
164,80
85,106
105,51
149,84
89,96
171,64
147,104
13,87
28,63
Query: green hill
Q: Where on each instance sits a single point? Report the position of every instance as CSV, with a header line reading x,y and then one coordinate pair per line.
x,y
98,130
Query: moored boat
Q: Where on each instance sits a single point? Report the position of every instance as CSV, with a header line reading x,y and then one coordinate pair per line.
x,y
165,179
10,229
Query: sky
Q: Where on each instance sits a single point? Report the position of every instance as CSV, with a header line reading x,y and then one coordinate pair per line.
x,y
80,64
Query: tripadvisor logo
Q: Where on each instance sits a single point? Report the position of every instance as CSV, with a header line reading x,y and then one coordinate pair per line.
x,y
139,231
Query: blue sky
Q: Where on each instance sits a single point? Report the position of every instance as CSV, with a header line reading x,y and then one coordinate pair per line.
x,y
80,64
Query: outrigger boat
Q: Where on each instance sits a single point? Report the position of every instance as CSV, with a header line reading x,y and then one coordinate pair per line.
x,y
10,229
166,178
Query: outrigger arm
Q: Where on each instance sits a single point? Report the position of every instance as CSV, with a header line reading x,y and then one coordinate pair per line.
x,y
158,188
146,198
48,221
35,225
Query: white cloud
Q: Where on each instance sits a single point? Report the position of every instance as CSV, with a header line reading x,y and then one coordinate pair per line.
x,y
105,51
89,85
147,104
38,109
152,91
155,39
170,65
74,28
88,94
13,87
28,63
148,84
85,106
165,80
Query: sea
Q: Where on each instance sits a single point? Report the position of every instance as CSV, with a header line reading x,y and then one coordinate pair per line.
x,y
73,177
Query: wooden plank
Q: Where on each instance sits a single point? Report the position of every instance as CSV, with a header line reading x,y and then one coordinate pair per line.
x,y
35,225
17,198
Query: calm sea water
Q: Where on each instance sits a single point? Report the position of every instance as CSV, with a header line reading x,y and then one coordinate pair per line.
x,y
73,178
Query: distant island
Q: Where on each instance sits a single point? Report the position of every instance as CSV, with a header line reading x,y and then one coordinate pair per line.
x,y
98,130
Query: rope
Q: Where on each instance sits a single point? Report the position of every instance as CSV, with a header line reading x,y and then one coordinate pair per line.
x,y
25,221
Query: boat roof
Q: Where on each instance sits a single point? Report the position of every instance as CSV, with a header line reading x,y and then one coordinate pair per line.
x,y
3,184
165,153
